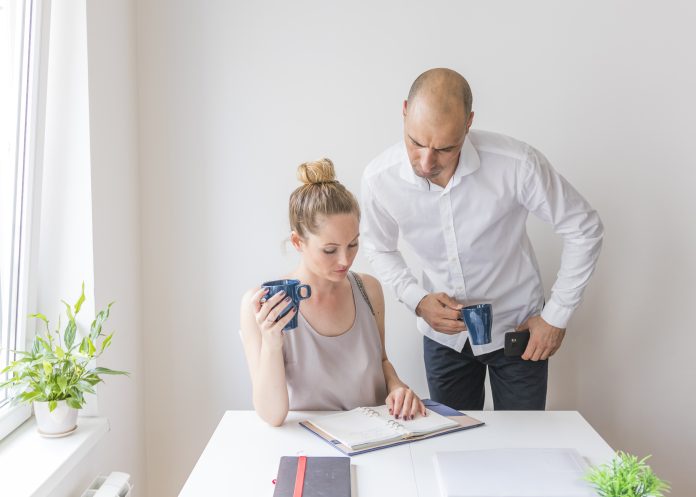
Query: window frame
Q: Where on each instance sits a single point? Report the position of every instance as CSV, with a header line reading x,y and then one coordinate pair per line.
x,y
29,160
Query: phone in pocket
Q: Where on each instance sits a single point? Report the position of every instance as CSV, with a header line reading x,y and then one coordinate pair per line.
x,y
516,342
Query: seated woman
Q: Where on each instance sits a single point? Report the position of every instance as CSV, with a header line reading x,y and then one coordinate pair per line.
x,y
335,359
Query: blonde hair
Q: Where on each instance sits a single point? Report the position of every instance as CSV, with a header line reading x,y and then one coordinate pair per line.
x,y
320,195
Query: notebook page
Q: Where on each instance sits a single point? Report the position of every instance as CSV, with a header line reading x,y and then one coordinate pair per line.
x,y
421,425
357,428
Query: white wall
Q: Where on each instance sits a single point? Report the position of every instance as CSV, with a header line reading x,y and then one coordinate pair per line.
x,y
90,227
234,95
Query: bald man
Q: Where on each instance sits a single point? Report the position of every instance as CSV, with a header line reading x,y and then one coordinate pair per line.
x,y
459,199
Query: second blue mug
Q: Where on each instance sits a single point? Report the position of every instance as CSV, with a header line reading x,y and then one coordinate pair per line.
x,y
293,289
479,321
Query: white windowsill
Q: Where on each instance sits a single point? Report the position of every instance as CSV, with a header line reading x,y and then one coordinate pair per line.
x,y
32,465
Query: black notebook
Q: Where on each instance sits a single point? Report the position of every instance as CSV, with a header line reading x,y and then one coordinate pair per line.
x,y
323,477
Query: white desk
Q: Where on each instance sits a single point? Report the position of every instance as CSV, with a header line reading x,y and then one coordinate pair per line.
x,y
242,456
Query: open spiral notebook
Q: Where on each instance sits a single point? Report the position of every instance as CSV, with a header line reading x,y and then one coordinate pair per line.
x,y
370,428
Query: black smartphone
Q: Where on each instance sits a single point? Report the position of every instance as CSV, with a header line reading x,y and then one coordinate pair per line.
x,y
516,342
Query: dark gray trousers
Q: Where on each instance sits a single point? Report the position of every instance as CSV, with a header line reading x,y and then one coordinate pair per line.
x,y
457,379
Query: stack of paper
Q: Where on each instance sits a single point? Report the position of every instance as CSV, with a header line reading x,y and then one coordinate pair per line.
x,y
512,473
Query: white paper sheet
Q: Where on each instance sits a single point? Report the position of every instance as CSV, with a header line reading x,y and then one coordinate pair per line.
x,y
512,473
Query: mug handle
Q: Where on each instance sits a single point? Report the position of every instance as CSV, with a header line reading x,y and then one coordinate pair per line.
x,y
299,292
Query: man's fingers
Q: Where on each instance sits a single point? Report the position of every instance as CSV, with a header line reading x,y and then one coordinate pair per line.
x,y
448,313
448,326
449,302
537,354
529,351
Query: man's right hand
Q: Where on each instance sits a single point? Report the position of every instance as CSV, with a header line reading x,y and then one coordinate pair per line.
x,y
441,312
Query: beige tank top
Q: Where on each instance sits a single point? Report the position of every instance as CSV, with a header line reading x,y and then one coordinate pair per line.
x,y
335,373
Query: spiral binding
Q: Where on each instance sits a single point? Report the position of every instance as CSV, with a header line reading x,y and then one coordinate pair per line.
x,y
369,412
392,424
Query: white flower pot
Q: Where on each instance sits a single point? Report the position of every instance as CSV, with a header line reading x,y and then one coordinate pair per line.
x,y
59,423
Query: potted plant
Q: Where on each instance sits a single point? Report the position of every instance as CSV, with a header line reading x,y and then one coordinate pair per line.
x,y
58,370
626,476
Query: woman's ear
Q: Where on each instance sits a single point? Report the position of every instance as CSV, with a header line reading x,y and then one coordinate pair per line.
x,y
296,241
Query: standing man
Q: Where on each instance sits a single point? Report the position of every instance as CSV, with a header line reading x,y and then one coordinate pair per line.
x,y
460,198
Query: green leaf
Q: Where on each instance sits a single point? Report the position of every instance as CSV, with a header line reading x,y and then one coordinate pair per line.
x,y
86,387
78,304
68,311
92,348
60,353
62,383
31,396
106,343
101,370
7,383
40,316
45,344
102,316
48,369
70,331
52,404
74,403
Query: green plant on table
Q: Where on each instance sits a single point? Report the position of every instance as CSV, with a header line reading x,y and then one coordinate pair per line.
x,y
57,367
626,476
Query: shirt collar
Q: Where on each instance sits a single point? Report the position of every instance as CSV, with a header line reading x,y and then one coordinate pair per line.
x,y
468,163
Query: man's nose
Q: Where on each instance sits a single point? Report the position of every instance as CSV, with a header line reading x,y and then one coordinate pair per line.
x,y
427,159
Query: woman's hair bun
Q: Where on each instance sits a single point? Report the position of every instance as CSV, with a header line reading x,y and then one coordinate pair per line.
x,y
318,171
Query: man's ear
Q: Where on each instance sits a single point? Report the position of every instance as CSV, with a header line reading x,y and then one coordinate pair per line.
x,y
470,120
296,241
405,108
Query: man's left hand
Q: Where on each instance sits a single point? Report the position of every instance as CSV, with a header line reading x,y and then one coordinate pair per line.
x,y
544,339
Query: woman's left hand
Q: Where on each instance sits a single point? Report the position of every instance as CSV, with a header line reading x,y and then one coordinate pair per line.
x,y
403,403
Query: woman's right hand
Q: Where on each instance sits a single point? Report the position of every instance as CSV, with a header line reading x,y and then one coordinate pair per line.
x,y
266,314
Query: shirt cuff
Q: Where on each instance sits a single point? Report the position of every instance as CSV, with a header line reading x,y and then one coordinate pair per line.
x,y
556,315
412,296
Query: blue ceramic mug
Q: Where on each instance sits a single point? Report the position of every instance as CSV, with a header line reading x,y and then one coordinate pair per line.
x,y
479,321
292,289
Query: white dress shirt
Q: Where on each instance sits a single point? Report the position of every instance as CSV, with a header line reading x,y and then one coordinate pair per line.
x,y
471,237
